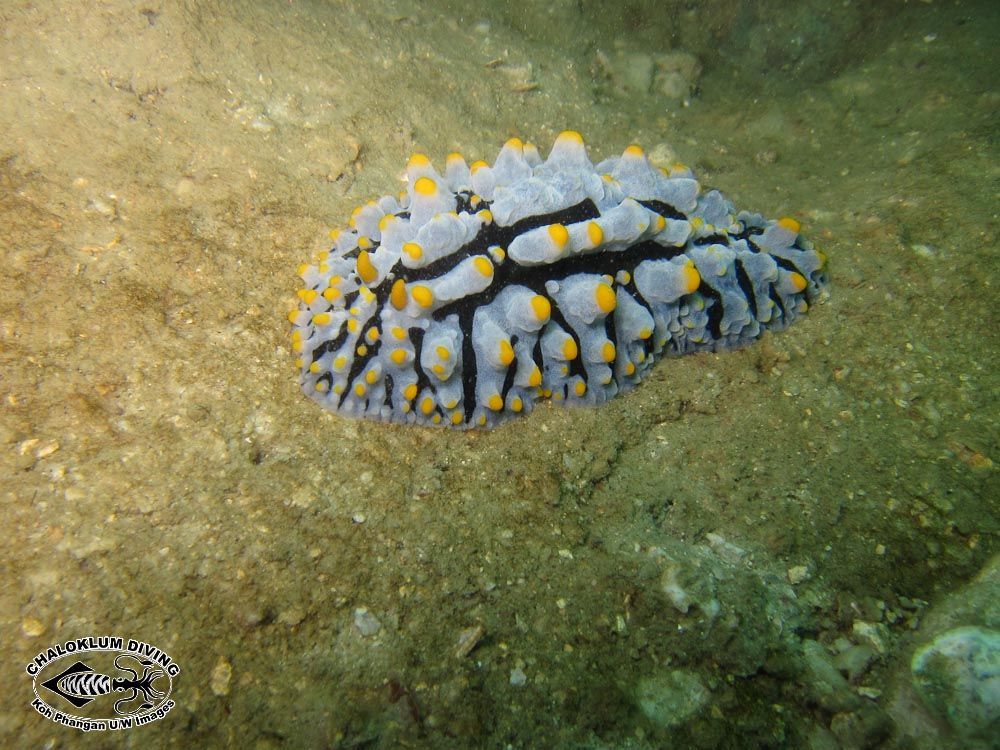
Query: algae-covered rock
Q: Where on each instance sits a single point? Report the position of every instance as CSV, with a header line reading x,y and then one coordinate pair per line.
x,y
958,676
670,699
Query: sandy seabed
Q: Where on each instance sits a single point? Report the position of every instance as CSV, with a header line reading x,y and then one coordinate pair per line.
x,y
743,552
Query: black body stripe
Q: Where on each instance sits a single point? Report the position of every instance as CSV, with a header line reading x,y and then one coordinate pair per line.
x,y
533,277
330,345
388,390
745,286
470,368
787,265
715,310
493,234
508,379
663,209
359,362
582,211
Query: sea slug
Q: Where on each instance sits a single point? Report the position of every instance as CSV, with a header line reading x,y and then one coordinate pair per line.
x,y
483,289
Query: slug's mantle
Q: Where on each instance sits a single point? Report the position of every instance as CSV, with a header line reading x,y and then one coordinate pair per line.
x,y
480,290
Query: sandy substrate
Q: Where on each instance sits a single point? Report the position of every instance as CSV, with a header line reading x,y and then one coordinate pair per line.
x,y
322,582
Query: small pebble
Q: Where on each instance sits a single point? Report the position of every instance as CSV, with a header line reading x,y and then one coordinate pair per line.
x,y
797,574
366,623
855,660
252,618
291,617
875,634
27,446
725,549
47,450
517,676
184,187
468,639
518,76
262,124
32,627
866,727
662,155
765,158
222,673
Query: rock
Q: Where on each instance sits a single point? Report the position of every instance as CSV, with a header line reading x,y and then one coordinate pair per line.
x,y
672,85
797,574
712,599
821,678
725,549
957,676
688,581
662,155
520,77
674,590
636,71
670,699
32,627
252,617
366,623
821,738
222,674
875,634
766,157
855,660
679,62
468,639
866,727
676,75
673,74
291,617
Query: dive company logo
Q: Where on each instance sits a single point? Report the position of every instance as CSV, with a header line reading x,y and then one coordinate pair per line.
x,y
102,683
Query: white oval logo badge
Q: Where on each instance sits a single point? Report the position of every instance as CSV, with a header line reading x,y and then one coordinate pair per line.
x,y
104,683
